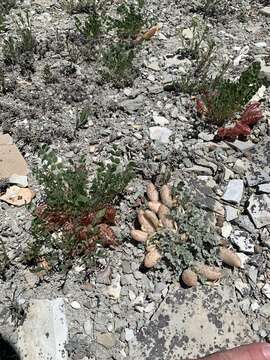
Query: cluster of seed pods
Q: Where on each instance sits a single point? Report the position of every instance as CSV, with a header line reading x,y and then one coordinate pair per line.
x,y
156,218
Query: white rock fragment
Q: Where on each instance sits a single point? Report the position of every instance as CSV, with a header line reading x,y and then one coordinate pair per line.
x,y
75,305
264,188
88,327
265,10
261,44
187,34
114,290
244,259
242,241
259,210
129,334
160,120
160,134
226,229
234,191
259,94
44,332
19,180
231,213
255,305
242,146
266,290
150,308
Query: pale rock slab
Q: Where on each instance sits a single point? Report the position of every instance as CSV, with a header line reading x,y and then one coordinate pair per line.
x,y
190,324
160,134
44,332
234,191
259,210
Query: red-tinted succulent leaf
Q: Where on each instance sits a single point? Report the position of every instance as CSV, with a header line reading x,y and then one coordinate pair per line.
x,y
110,215
252,114
107,235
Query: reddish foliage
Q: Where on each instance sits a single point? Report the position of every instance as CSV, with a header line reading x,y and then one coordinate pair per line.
x,y
87,229
201,107
107,235
251,115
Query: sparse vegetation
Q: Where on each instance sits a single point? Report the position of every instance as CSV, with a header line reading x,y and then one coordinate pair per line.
x,y
5,7
224,97
81,119
75,217
194,239
14,309
77,6
4,259
118,61
19,49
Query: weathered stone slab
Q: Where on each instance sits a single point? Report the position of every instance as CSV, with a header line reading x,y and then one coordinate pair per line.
x,y
11,162
193,323
43,334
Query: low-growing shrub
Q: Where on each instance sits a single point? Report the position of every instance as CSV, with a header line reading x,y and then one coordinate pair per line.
x,y
73,221
224,97
20,49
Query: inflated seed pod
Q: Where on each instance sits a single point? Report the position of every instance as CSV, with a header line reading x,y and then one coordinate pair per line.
x,y
152,218
151,32
166,196
167,223
152,258
211,273
152,192
229,257
189,278
154,206
146,225
139,235
163,211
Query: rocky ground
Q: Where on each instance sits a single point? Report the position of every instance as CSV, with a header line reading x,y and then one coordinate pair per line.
x,y
120,311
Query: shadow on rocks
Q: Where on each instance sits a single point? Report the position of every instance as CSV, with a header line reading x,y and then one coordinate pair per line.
x,y
7,351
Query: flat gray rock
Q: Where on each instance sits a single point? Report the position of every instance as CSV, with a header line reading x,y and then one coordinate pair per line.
x,y
242,240
265,10
160,134
234,191
193,323
259,209
44,332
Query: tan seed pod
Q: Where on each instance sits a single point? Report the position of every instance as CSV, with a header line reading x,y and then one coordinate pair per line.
x,y
163,211
166,197
189,278
151,32
154,206
152,218
211,273
167,223
152,192
139,235
152,258
229,257
146,225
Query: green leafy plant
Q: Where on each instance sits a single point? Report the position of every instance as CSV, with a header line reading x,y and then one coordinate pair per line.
x,y
77,6
20,49
130,19
91,28
4,259
118,61
14,309
75,217
194,239
225,97
5,7
81,119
